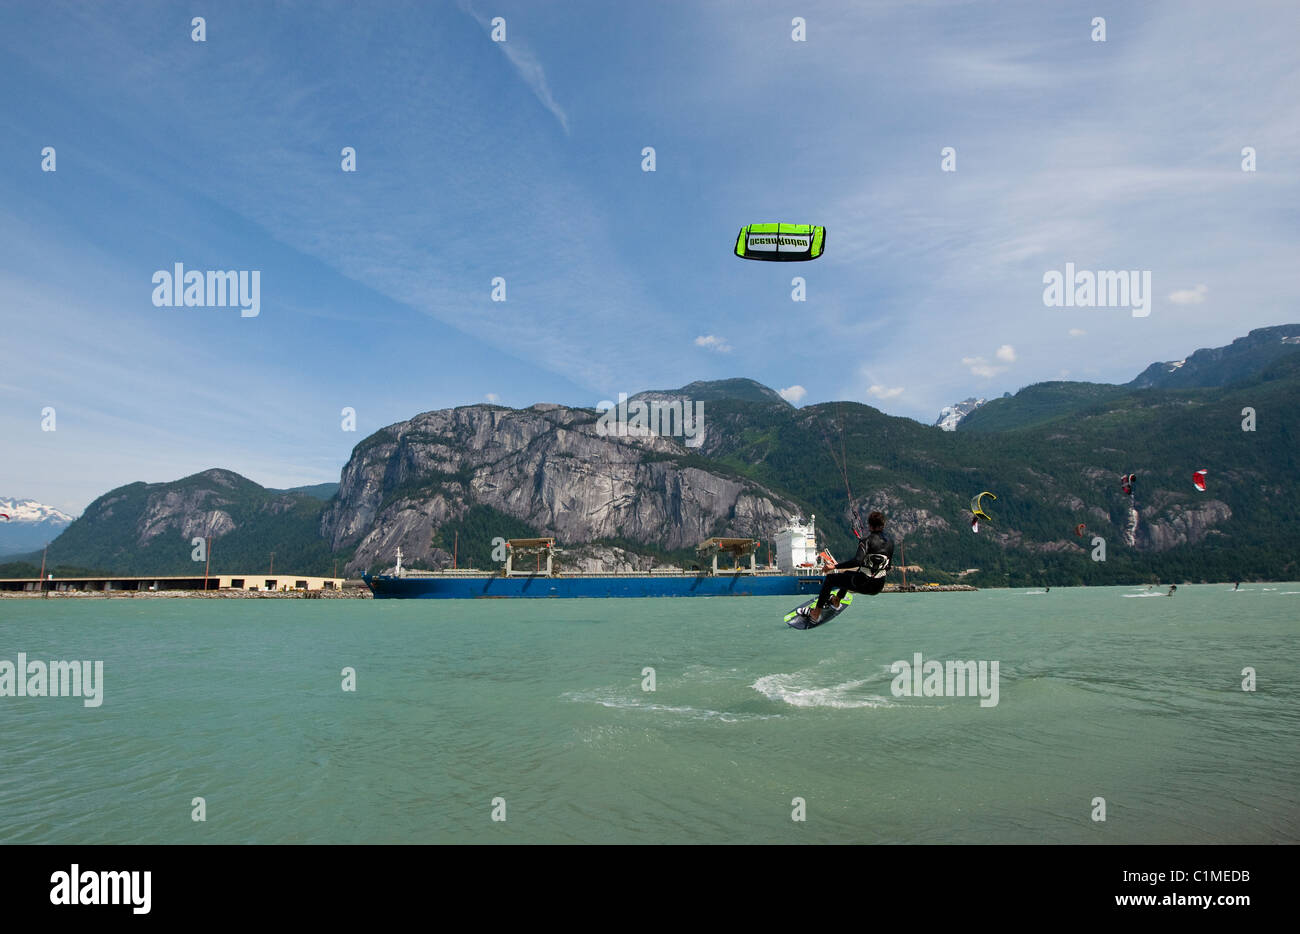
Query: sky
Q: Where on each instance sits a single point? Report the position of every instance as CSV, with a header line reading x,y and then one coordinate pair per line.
x,y
524,159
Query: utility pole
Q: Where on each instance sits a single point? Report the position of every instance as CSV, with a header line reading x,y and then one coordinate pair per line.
x,y
47,548
455,548
272,571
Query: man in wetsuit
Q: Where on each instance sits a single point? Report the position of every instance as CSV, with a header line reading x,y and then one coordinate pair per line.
x,y
865,573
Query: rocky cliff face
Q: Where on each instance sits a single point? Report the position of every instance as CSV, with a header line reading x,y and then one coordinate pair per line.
x,y
1181,524
547,466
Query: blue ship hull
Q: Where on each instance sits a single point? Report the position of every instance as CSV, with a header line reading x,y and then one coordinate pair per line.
x,y
729,585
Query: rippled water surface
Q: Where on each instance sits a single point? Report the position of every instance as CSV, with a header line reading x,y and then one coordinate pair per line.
x,y
540,703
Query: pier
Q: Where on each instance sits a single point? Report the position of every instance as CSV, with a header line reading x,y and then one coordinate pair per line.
x,y
155,582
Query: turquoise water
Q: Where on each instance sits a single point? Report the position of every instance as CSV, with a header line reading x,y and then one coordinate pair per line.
x,y
1101,693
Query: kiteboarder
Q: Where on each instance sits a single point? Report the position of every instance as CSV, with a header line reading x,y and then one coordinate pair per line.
x,y
865,573
1172,588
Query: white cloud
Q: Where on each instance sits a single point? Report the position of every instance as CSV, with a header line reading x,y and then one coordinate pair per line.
x,y
792,394
881,392
1006,353
981,367
1189,296
1077,332
492,397
711,342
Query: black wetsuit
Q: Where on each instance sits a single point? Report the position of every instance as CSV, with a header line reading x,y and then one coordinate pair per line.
x,y
849,575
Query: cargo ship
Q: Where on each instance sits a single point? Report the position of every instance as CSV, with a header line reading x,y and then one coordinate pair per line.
x,y
799,570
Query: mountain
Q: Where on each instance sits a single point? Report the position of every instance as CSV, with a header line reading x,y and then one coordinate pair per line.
x,y
149,528
444,485
951,415
1244,359
547,470
1220,366
1037,405
30,525
717,390
321,491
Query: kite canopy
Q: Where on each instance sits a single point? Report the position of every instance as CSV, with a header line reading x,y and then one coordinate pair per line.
x,y
781,243
1080,529
1198,480
977,510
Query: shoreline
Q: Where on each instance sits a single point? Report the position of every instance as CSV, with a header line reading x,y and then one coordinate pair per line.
x,y
348,593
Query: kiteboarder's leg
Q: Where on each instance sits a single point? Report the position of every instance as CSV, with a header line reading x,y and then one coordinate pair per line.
x,y
829,582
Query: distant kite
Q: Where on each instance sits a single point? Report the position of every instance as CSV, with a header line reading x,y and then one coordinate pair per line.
x,y
4,515
977,510
1080,529
1198,480
781,243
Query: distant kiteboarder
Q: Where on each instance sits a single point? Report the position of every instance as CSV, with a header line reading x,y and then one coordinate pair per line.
x,y
1128,483
1172,588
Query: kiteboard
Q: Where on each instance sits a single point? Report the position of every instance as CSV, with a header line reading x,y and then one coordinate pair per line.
x,y
796,620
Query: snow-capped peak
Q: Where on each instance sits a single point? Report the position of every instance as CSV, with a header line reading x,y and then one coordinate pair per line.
x,y
28,510
951,415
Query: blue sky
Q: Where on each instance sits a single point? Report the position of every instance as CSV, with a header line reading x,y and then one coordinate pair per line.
x,y
523,160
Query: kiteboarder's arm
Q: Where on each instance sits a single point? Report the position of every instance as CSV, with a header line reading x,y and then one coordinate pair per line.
x,y
858,560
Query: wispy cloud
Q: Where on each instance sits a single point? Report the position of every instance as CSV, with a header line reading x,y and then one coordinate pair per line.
x,y
1190,296
1077,332
711,342
979,366
793,394
526,63
882,392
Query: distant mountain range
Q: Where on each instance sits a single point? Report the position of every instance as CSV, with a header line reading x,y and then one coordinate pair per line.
x,y
1222,366
1219,366
450,481
733,390
30,525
